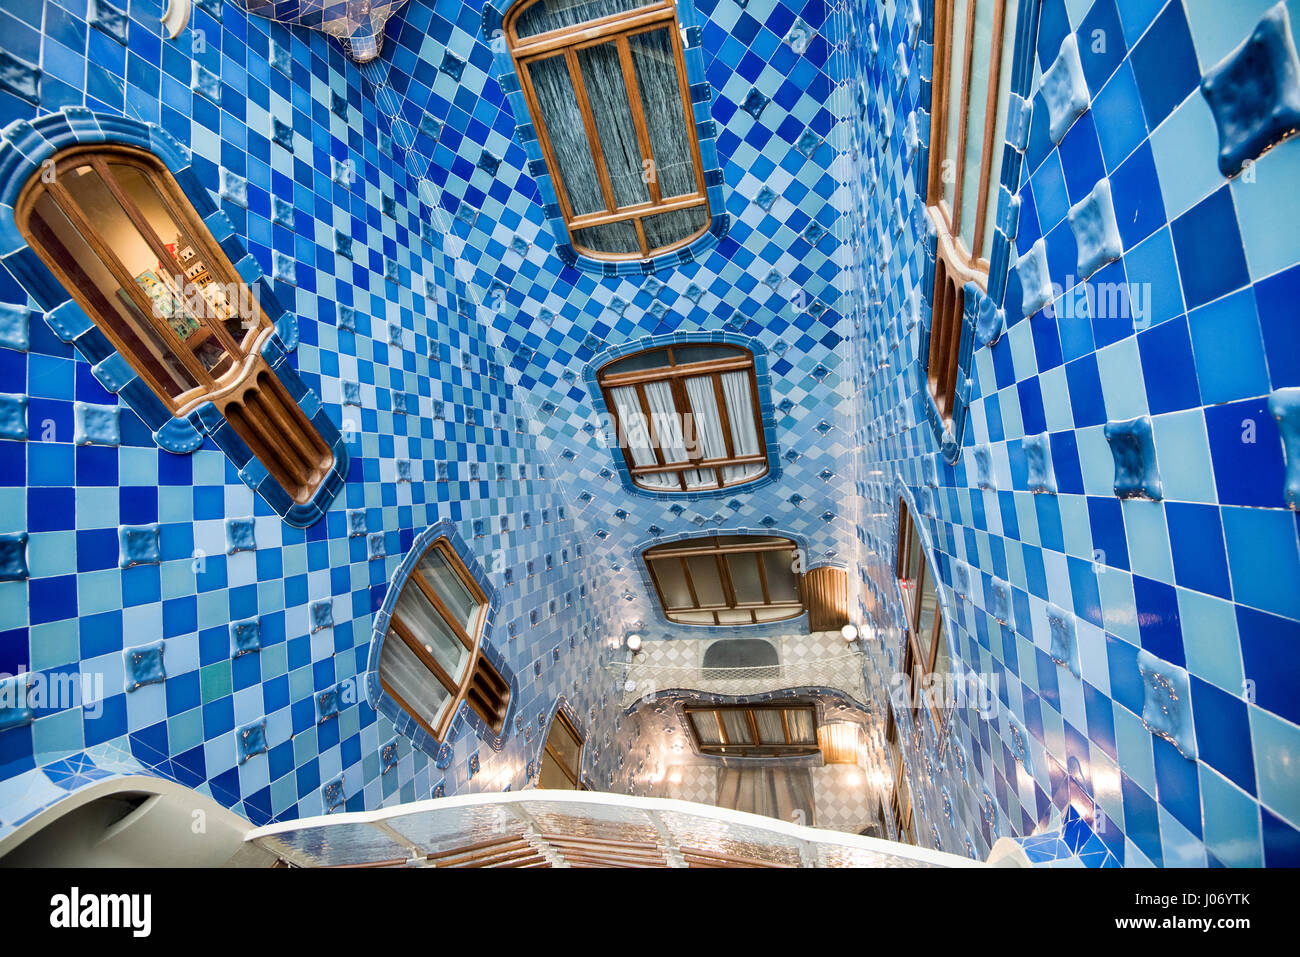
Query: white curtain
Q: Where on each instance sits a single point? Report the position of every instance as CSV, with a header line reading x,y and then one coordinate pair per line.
x,y
707,423
634,435
743,416
414,684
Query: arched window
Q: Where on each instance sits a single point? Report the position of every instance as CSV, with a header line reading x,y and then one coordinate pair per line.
x,y
973,45
114,227
431,658
687,417
726,579
605,83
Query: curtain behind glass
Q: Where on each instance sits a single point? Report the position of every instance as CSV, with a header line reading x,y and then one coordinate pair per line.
x,y
428,628
634,435
546,15
410,679
742,416
707,423
567,133
448,586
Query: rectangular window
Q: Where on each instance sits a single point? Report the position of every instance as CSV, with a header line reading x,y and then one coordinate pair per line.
x,y
900,798
561,756
687,417
431,659
605,83
754,731
726,580
926,648
973,45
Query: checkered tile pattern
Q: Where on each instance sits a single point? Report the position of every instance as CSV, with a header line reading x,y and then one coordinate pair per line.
x,y
1203,579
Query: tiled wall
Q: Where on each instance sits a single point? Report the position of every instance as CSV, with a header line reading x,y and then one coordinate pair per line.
x,y
394,198
1193,579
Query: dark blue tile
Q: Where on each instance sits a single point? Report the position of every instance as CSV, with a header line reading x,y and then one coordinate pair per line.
x,y
1196,539
1164,62
1223,733
1168,368
1211,259
1135,192
1158,621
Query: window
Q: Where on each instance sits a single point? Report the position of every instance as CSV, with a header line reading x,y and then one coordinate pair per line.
x,y
116,230
754,731
926,650
687,417
974,43
561,756
900,798
726,580
431,659
605,83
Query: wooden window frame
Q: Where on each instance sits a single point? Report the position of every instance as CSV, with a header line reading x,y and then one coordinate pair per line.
x,y
676,374
790,749
920,651
249,395
568,40
482,686
902,815
954,264
692,547
574,775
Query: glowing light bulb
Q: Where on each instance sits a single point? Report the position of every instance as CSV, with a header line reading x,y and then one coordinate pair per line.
x,y
849,633
633,642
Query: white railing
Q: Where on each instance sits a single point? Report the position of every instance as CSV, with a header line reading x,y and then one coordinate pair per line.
x,y
643,679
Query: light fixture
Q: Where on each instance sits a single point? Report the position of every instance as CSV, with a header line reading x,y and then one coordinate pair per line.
x,y
849,633
633,643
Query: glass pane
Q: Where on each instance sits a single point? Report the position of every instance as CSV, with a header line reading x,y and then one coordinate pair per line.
x,y
424,622
802,729
558,104
942,659
552,777
737,725
704,575
672,583
641,362
782,585
956,65
685,355
744,579
706,727
979,98
602,74
206,293
665,229
407,675
693,617
929,608
770,729
448,586
775,614
556,14
150,350
564,746
665,112
1000,129
168,292
617,238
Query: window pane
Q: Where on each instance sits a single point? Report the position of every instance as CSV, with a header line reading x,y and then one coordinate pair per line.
x,y
929,608
693,617
672,583
602,74
685,355
706,727
641,362
564,745
770,729
424,622
567,133
782,585
1000,129
447,584
407,675
704,575
737,725
979,98
617,238
735,618
664,229
956,66
744,579
802,730
151,351
661,99
548,15
159,280
206,293
942,659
